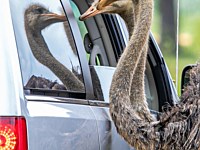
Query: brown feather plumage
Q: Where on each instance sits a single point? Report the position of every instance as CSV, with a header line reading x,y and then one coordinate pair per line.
x,y
178,126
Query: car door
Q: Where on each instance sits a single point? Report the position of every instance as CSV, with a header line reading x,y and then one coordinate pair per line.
x,y
57,117
105,37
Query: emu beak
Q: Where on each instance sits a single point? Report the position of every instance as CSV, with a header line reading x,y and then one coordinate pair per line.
x,y
96,8
92,11
56,17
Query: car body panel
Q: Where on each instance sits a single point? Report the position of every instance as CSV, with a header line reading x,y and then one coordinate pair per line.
x,y
10,76
57,122
60,125
108,137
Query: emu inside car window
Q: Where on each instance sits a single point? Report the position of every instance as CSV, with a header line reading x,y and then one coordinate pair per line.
x,y
47,53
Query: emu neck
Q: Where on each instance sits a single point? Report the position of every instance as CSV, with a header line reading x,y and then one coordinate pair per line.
x,y
129,59
137,91
125,118
42,54
128,17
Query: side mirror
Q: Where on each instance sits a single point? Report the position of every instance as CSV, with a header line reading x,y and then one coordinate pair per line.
x,y
185,78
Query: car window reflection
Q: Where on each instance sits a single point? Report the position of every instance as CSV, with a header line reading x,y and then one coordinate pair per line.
x,y
47,53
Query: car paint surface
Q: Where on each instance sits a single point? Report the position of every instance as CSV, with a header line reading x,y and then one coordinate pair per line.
x,y
11,101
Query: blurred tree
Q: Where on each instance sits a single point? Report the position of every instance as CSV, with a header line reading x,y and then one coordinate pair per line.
x,y
168,26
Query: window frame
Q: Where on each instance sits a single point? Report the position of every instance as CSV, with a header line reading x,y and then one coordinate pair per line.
x,y
88,94
80,49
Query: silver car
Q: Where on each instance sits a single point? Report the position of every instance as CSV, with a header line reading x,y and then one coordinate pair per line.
x,y
37,110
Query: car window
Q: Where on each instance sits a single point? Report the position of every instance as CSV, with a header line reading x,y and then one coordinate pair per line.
x,y
81,24
92,41
47,53
102,74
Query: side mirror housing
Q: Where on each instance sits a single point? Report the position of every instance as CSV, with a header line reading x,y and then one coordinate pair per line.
x,y
185,78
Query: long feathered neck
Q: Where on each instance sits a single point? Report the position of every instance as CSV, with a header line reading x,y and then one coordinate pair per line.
x,y
125,118
42,54
129,59
129,17
137,91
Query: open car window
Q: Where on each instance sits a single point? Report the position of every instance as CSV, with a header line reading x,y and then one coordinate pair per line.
x,y
48,57
93,33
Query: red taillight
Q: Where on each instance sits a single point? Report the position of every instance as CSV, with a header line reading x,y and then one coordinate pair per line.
x,y
13,135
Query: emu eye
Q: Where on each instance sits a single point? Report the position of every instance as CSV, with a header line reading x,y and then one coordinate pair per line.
x,y
39,10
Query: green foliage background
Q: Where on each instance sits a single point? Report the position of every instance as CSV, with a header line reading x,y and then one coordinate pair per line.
x,y
189,36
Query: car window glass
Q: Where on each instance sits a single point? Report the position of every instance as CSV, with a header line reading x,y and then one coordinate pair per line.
x,y
51,63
